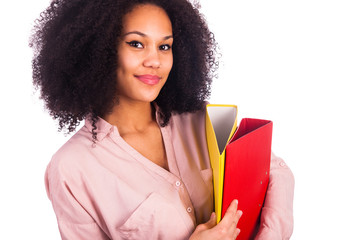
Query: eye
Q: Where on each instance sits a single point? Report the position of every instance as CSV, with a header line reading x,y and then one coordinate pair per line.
x,y
165,47
135,44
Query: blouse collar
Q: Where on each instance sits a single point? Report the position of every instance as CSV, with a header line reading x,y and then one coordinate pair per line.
x,y
103,128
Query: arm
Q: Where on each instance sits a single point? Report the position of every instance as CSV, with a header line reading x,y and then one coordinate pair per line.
x,y
276,221
74,221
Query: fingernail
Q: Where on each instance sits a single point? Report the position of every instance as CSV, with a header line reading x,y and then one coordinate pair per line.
x,y
213,215
236,201
239,212
237,231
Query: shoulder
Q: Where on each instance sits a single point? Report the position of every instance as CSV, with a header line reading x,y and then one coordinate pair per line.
x,y
71,157
79,144
195,118
277,162
188,131
68,178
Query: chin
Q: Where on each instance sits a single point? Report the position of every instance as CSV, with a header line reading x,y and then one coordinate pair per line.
x,y
149,96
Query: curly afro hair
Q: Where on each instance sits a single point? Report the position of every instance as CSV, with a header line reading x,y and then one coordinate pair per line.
x,y
75,59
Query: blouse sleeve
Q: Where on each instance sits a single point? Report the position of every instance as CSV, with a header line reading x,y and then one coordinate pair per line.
x,y
73,220
276,222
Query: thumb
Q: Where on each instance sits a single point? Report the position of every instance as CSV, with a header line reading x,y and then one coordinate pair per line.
x,y
212,221
204,227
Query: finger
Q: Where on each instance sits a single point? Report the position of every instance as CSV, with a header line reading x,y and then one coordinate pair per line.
x,y
233,229
212,221
230,213
232,207
239,213
233,226
236,233
227,228
209,224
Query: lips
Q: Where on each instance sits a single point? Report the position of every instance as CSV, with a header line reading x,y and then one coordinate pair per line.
x,y
149,79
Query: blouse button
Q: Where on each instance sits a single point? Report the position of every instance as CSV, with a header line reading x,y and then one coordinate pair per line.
x,y
282,164
189,209
178,183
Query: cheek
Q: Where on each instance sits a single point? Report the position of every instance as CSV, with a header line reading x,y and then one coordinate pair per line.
x,y
168,64
127,62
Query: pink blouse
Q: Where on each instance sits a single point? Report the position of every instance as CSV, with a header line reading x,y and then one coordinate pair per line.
x,y
110,191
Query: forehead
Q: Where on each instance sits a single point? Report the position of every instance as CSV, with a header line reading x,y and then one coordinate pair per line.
x,y
147,18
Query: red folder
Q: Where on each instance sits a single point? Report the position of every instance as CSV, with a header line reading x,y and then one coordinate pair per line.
x,y
246,173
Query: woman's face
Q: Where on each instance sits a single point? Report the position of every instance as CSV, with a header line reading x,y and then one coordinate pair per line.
x,y
144,53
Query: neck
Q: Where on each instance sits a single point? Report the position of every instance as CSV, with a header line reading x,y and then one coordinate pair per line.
x,y
131,116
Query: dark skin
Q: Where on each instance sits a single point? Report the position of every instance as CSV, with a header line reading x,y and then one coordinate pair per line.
x,y
144,50
142,133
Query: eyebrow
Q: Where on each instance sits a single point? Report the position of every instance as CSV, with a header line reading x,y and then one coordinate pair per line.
x,y
144,35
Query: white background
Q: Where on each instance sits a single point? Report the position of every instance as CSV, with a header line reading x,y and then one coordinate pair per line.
x,y
294,62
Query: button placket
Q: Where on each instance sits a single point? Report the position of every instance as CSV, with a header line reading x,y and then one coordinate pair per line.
x,y
184,197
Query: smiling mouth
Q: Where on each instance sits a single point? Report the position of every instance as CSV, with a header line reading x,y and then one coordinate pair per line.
x,y
149,79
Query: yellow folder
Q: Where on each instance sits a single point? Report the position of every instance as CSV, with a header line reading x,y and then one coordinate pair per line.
x,y
221,123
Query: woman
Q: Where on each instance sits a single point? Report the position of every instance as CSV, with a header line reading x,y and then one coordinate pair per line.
x,y
138,72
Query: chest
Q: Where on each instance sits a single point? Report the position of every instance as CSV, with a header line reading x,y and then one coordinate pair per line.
x,y
150,144
144,195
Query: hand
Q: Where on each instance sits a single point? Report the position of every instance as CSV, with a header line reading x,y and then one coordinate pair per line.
x,y
225,230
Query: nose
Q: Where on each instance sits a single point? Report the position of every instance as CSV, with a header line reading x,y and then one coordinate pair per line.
x,y
152,59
